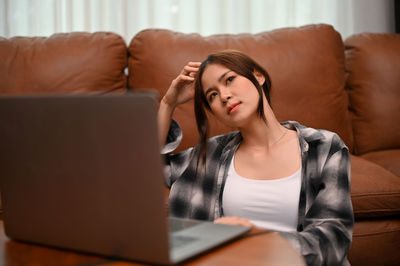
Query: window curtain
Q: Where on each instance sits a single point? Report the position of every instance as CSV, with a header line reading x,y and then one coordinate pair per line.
x,y
397,15
127,17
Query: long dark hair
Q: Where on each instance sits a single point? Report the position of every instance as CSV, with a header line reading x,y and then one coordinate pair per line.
x,y
241,64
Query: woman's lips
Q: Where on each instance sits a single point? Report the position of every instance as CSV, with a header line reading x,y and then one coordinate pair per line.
x,y
233,108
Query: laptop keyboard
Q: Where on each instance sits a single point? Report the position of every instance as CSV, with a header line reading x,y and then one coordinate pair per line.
x,y
176,225
179,241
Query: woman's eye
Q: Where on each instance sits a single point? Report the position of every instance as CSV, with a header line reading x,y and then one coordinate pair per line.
x,y
230,79
212,96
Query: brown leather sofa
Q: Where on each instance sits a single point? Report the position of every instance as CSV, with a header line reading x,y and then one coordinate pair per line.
x,y
350,87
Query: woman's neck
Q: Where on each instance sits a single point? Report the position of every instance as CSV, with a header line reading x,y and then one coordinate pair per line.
x,y
258,135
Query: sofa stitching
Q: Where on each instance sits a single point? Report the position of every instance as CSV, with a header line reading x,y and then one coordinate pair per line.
x,y
378,209
377,233
375,194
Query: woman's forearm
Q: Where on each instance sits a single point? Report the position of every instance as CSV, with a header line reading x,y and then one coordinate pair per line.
x,y
165,112
180,91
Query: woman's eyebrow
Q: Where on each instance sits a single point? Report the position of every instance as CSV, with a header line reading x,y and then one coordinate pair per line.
x,y
223,75
208,90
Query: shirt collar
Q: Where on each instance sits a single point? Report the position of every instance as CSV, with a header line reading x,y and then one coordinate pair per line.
x,y
306,136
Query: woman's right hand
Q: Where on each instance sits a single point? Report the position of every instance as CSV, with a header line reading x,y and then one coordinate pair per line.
x,y
181,89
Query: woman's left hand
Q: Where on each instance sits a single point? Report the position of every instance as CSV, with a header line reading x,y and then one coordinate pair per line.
x,y
234,220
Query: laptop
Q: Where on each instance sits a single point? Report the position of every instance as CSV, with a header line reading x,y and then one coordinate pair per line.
x,y
84,173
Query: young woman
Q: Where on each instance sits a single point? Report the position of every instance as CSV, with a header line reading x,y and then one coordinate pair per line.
x,y
283,177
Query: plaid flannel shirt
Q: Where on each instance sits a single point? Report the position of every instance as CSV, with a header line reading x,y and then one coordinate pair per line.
x,y
325,215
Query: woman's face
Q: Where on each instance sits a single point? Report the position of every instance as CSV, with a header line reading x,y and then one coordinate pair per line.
x,y
233,98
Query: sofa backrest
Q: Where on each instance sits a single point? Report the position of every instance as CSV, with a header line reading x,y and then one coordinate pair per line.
x,y
63,63
306,66
373,84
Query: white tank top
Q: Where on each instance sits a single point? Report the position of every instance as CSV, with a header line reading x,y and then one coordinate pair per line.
x,y
268,204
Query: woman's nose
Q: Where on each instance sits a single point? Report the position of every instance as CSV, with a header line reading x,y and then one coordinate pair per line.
x,y
225,95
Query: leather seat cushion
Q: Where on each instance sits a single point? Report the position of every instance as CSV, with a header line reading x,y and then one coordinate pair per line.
x,y
375,191
388,159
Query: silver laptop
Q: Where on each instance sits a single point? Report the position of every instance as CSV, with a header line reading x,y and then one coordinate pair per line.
x,y
84,173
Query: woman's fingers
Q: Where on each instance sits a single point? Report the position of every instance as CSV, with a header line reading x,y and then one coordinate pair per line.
x,y
191,67
181,89
190,71
186,77
233,220
194,64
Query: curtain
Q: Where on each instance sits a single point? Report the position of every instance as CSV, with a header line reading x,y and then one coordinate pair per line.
x,y
127,17
397,15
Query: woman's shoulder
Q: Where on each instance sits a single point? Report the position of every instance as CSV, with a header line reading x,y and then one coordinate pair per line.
x,y
317,136
225,138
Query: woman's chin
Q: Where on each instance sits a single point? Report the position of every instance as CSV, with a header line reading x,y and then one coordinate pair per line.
x,y
233,122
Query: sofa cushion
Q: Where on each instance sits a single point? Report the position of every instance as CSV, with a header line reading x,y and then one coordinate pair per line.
x,y
388,159
375,192
306,66
373,83
375,242
63,63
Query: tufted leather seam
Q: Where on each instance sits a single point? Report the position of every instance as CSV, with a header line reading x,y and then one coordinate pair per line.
x,y
376,233
378,210
375,194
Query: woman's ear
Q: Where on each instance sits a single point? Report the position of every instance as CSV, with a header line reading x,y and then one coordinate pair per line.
x,y
260,77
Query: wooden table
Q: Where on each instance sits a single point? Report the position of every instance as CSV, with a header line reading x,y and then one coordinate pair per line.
x,y
259,248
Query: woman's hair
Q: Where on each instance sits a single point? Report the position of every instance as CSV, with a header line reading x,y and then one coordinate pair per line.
x,y
242,65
